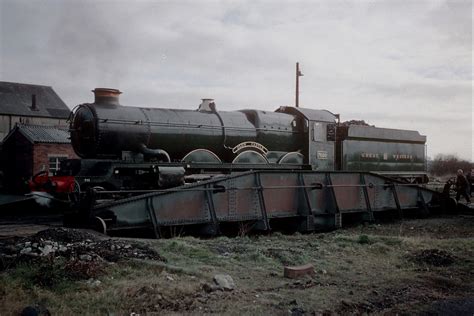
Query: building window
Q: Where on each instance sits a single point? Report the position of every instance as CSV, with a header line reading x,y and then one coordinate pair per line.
x,y
54,161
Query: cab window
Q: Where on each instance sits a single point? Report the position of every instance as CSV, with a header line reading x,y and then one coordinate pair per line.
x,y
319,132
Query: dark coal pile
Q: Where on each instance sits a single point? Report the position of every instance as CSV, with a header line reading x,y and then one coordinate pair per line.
x,y
434,257
355,122
71,244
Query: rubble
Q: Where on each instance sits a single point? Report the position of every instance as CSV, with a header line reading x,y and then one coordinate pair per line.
x,y
71,244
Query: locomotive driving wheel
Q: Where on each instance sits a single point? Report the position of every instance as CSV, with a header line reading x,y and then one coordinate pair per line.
x,y
251,157
98,224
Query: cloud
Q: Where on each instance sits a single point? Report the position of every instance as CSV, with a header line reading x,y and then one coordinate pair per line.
x,y
398,64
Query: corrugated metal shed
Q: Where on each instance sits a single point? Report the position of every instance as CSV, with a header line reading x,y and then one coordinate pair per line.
x,y
17,99
42,134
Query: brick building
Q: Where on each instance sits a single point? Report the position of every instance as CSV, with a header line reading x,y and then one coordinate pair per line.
x,y
30,149
30,104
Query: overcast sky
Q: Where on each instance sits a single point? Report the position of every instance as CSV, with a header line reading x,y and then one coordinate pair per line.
x,y
397,64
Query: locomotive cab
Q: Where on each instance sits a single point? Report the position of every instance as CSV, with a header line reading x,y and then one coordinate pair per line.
x,y
319,132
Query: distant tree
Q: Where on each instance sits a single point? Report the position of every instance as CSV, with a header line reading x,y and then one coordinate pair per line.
x,y
444,164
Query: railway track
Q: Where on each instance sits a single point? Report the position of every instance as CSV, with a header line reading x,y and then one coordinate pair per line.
x,y
19,226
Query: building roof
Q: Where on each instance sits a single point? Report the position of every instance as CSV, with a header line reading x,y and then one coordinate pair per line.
x,y
41,134
17,99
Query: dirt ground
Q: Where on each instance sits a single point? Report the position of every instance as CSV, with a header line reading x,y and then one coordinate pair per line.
x,y
415,266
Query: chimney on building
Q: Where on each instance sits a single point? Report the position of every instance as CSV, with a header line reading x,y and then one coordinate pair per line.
x,y
33,103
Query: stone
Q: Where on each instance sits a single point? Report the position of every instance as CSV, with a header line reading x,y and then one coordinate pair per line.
x,y
298,271
93,283
208,288
85,257
347,302
47,249
25,251
297,311
35,310
29,311
224,281
11,248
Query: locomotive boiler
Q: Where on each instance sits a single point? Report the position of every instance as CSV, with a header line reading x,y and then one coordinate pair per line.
x,y
105,129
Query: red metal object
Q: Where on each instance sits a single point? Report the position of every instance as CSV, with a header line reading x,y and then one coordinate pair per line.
x,y
52,184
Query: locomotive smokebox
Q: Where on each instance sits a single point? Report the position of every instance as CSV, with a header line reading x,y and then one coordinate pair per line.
x,y
106,96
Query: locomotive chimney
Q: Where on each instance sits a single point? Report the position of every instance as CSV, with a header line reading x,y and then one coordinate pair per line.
x,y
106,96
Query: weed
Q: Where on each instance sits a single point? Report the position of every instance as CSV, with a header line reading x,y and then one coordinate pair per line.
x,y
245,228
176,245
379,247
188,247
48,274
55,274
343,239
288,256
363,239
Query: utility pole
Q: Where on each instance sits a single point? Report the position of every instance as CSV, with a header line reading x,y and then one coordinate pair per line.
x,y
298,75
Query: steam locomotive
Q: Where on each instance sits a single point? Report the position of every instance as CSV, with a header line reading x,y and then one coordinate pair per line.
x,y
133,148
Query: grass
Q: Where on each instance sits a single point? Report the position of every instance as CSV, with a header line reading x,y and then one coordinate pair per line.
x,y
350,265
21,289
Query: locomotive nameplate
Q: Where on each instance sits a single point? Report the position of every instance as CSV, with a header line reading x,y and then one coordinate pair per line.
x,y
252,145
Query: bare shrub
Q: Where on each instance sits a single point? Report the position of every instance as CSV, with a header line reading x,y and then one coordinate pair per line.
x,y
448,164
